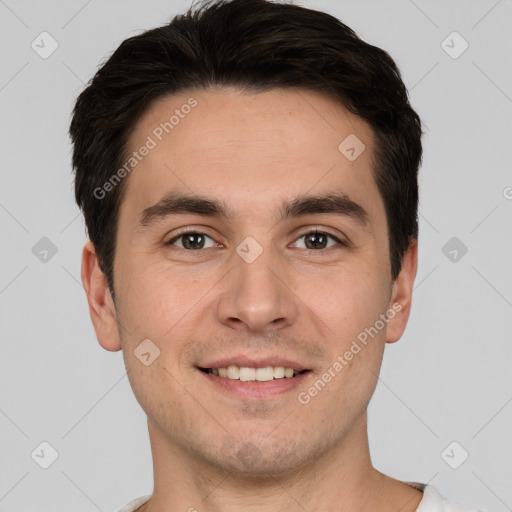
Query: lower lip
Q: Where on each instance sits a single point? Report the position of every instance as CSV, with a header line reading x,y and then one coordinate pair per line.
x,y
255,389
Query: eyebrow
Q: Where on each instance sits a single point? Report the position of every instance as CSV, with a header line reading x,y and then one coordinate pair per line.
x,y
302,205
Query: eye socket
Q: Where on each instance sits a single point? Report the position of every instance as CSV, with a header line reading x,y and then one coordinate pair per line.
x,y
195,237
320,235
196,240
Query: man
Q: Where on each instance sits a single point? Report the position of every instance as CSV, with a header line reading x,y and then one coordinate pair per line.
x,y
248,177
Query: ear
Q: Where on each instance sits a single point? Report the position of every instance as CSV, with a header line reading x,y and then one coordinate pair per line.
x,y
101,306
401,294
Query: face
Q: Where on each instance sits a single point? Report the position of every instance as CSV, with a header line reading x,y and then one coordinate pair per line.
x,y
260,280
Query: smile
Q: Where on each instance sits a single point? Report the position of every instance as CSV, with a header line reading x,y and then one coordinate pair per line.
x,y
254,383
247,374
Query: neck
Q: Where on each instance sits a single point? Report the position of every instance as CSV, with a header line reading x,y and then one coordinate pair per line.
x,y
343,478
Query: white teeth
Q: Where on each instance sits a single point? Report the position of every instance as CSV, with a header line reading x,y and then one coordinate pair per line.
x,y
245,373
288,373
278,372
233,372
263,374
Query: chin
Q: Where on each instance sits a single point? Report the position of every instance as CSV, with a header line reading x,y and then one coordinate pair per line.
x,y
261,461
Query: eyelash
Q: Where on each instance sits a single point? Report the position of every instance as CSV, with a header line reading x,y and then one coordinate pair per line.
x,y
196,232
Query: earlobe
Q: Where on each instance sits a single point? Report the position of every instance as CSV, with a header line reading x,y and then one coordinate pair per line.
x,y
101,305
401,296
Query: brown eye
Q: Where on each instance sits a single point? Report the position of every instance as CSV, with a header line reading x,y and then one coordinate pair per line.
x,y
318,240
191,240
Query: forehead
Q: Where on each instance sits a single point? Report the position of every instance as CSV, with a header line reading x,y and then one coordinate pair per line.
x,y
250,149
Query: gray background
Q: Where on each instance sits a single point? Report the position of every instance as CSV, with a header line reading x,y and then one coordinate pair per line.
x,y
448,379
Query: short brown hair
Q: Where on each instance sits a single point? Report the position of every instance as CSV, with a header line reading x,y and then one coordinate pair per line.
x,y
255,45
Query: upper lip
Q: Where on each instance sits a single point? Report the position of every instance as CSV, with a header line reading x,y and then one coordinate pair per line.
x,y
253,362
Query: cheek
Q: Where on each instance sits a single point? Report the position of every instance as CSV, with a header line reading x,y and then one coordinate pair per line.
x,y
347,299
155,305
350,307
156,298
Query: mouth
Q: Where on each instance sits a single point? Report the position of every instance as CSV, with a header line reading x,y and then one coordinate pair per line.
x,y
249,379
249,374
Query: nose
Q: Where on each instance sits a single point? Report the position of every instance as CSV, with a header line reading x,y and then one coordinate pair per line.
x,y
257,296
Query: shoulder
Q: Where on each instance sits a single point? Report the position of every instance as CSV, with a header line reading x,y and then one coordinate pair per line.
x,y
134,504
433,501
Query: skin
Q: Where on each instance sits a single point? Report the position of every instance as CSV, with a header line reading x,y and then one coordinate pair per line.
x,y
213,451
